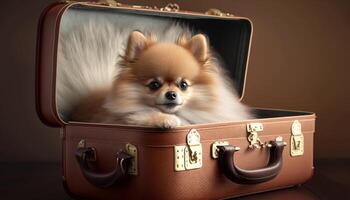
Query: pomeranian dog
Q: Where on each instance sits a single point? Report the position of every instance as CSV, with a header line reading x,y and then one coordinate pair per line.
x,y
154,83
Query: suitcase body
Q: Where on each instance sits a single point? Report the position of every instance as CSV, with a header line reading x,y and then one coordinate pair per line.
x,y
205,161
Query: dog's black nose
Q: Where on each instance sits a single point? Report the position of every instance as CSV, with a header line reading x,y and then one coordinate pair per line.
x,y
171,95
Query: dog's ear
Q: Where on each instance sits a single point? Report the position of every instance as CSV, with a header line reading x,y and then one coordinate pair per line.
x,y
198,45
136,44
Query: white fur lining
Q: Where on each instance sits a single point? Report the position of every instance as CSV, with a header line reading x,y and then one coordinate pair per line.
x,y
88,52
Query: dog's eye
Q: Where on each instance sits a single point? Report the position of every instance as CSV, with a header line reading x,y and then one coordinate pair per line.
x,y
183,85
154,85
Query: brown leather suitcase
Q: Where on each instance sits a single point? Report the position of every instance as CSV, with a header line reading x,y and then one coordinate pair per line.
x,y
207,161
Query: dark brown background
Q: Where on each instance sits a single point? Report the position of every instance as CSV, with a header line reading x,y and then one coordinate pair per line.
x,y
300,59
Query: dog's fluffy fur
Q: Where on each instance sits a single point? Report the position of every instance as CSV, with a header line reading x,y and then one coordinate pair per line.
x,y
96,84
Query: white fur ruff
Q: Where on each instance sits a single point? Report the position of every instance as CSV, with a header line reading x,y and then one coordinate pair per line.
x,y
88,53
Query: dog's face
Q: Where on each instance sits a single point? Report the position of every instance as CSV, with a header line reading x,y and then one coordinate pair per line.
x,y
165,74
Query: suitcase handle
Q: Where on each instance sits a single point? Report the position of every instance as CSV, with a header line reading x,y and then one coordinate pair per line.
x,y
102,180
242,176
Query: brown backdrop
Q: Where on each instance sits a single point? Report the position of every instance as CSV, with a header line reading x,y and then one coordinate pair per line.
x,y
300,59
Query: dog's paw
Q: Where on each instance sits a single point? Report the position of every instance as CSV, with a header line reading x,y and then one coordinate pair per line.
x,y
168,122
153,119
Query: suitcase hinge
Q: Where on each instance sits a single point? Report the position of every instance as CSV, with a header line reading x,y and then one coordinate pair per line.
x,y
189,156
296,140
217,12
170,7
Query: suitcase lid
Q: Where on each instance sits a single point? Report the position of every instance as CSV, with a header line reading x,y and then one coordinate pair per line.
x,y
218,26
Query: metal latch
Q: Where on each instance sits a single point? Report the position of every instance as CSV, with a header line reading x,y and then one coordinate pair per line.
x,y
215,149
296,140
253,137
190,156
132,150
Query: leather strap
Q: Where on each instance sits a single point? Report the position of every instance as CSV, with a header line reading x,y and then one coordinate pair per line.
x,y
242,176
102,180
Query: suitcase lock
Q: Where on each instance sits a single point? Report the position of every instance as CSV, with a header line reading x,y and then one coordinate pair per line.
x,y
296,140
189,156
253,138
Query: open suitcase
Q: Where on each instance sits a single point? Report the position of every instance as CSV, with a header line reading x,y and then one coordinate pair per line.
x,y
206,161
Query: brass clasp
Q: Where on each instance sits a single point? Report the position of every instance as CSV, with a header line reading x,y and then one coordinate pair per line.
x,y
253,137
132,150
297,140
190,156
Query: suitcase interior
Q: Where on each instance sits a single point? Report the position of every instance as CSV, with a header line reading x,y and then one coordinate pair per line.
x,y
222,33
230,37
